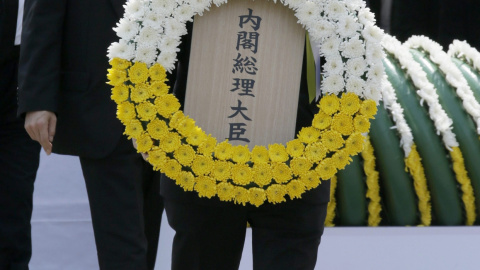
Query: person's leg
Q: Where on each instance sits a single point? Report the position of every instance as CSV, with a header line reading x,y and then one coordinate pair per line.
x,y
286,236
206,237
152,212
19,160
115,187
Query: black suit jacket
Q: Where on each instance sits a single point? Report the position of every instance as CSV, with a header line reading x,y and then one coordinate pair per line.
x,y
63,67
305,114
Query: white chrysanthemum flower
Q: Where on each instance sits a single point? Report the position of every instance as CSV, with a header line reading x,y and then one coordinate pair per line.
x,y
376,72
294,4
336,9
333,84
169,44
200,6
184,13
154,20
356,66
353,48
366,17
374,52
126,29
334,65
330,46
373,90
355,85
121,50
356,4
308,13
146,54
219,2
321,29
348,26
163,7
135,10
148,37
175,29
167,60
372,33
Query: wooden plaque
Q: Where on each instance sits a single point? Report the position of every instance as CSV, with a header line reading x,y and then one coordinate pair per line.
x,y
245,71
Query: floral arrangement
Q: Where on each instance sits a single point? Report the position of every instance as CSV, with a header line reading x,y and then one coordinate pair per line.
x,y
150,34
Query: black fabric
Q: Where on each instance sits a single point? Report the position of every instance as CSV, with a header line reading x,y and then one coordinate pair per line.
x,y
19,155
122,209
211,233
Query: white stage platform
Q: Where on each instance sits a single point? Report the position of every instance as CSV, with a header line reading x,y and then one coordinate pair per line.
x,y
63,236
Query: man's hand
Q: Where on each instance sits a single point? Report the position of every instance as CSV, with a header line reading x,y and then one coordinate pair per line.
x,y
40,125
144,155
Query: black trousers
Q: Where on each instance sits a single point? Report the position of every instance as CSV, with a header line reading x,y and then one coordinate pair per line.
x,y
208,236
126,207
19,159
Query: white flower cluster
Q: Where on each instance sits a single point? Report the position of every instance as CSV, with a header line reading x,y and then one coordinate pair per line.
x,y
452,74
150,32
462,50
390,101
427,91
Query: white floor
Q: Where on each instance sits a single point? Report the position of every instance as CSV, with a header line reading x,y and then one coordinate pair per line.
x,y
63,236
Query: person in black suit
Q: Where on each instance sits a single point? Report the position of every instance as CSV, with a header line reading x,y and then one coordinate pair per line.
x,y
67,107
19,155
210,234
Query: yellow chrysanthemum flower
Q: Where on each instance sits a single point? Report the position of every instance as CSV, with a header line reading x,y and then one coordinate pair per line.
x,y
354,143
329,104
206,187
186,180
197,136
146,111
221,170
184,154
281,173
262,174
349,103
343,123
241,174
157,72
295,148
361,123
332,140
300,165
223,150
186,127
170,142
226,192
310,179
202,165
157,128
309,135
341,159
326,169
138,73
133,129
166,105
277,152
144,143
368,108
241,195
260,154
116,76
157,158
119,63
120,93
126,112
257,196
295,189
276,193
315,152
177,117
240,154
172,168
140,93
321,120
207,146
159,88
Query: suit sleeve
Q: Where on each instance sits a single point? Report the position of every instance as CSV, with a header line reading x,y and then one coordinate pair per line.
x,y
40,55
